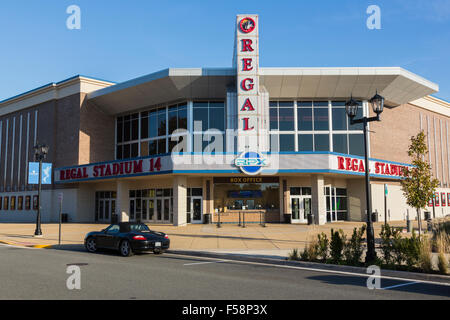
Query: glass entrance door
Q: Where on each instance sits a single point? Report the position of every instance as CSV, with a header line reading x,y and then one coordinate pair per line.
x,y
105,210
300,208
196,209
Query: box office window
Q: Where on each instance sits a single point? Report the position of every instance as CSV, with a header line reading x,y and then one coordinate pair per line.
x,y
251,195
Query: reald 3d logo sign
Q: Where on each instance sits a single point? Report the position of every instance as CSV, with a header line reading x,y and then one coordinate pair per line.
x,y
251,163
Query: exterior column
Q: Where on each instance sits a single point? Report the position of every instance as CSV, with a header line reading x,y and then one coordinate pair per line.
x,y
179,200
123,201
319,209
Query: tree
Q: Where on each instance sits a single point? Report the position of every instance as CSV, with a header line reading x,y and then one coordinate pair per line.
x,y
418,184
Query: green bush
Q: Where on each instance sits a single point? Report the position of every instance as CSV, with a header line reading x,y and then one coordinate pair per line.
x,y
353,248
293,255
391,245
337,245
411,249
442,263
322,246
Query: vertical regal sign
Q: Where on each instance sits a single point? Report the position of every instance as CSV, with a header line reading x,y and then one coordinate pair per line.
x,y
247,60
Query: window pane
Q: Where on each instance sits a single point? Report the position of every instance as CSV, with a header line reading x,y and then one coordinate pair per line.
x,y
304,118
153,124
144,149
339,119
161,146
320,103
305,142
286,104
119,132
273,119
173,119
144,127
135,129
162,122
119,154
153,147
201,114
216,118
340,143
134,150
295,191
303,104
126,131
286,119
321,142
126,151
287,142
182,117
357,126
356,144
320,119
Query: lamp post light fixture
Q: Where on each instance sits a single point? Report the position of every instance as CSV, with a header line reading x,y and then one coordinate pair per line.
x,y
351,107
40,153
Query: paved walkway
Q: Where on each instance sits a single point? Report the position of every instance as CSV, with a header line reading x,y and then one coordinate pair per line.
x,y
274,239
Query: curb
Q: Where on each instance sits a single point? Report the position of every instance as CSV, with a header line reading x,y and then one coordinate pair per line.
x,y
360,271
36,246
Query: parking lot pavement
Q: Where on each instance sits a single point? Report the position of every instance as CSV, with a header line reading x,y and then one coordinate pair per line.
x,y
42,274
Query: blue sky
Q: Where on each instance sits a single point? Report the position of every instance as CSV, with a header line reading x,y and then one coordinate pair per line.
x,y
121,40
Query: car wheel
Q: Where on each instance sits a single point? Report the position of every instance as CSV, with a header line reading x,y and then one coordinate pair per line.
x,y
125,249
91,245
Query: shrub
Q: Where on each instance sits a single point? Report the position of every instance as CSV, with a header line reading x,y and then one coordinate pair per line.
x,y
353,248
424,258
310,251
293,255
322,246
411,250
387,245
336,245
442,263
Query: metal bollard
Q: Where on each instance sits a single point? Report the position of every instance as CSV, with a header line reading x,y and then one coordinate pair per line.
x,y
243,219
262,221
239,224
218,220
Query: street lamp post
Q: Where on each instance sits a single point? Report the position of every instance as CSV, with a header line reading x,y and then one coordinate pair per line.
x,y
351,108
40,153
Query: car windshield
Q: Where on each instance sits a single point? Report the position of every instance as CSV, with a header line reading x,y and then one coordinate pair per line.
x,y
139,228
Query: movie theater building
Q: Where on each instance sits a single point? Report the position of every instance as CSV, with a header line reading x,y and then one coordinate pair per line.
x,y
185,146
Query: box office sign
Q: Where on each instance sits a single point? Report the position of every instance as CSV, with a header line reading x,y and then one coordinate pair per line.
x,y
113,169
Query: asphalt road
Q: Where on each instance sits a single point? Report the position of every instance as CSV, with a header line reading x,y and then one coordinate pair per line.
x,y
41,274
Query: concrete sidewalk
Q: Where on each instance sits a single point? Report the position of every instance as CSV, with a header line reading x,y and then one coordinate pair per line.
x,y
274,239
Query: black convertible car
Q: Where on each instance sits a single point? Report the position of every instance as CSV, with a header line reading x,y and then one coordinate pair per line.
x,y
127,238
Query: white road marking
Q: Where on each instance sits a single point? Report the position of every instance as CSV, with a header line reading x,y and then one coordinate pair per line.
x,y
194,263
398,285
320,270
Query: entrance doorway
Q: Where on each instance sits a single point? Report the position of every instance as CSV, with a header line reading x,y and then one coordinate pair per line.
x,y
105,206
196,207
151,205
300,204
300,208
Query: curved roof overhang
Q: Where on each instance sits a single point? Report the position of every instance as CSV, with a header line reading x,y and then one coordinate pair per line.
x,y
397,85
